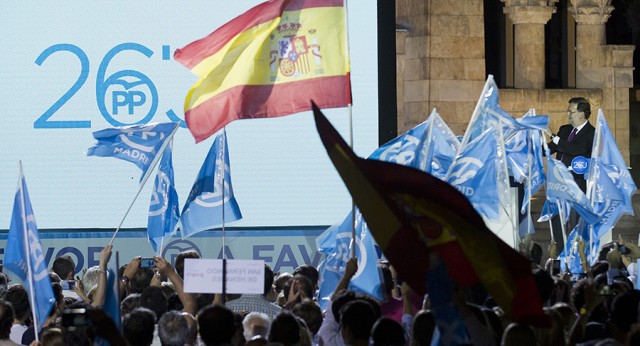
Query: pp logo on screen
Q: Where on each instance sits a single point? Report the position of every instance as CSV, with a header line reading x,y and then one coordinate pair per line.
x,y
178,246
580,165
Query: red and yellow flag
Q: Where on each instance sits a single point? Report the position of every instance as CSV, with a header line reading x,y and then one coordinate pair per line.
x,y
268,62
414,216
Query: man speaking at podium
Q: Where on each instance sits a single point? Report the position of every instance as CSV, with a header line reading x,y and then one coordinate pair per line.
x,y
573,139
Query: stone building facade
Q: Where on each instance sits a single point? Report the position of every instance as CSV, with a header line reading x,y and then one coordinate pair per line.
x,y
441,59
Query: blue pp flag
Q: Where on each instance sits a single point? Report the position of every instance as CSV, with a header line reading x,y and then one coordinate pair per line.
x,y
488,114
570,255
474,174
211,194
562,187
429,147
607,160
335,243
112,298
24,256
163,208
138,144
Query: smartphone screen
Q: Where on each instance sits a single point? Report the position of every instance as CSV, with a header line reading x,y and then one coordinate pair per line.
x,y
75,318
67,285
147,263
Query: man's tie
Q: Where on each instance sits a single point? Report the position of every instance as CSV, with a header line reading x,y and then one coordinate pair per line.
x,y
572,135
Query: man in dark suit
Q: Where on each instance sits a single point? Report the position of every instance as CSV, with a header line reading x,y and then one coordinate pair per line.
x,y
573,139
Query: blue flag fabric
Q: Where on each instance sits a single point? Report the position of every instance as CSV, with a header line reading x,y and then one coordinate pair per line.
x,y
25,258
538,177
607,160
163,208
489,114
561,186
550,209
138,144
429,147
473,173
569,254
112,299
335,244
204,206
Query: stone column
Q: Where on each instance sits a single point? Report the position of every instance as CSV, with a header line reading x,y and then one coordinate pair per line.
x,y
590,16
529,18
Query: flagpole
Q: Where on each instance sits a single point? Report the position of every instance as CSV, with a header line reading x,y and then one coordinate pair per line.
x,y
562,227
349,110
547,153
27,251
144,181
223,148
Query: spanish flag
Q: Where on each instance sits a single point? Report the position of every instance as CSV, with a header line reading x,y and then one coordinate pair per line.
x,y
414,216
268,62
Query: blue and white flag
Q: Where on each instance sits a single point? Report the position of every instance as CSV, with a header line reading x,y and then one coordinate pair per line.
x,y
550,209
570,255
535,172
138,144
112,295
163,208
562,187
429,147
473,173
489,114
211,194
607,160
24,256
335,243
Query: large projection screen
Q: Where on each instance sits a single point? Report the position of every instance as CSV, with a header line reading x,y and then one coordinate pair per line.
x,y
56,55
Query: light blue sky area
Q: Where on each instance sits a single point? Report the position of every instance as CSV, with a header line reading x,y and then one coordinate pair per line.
x,y
280,171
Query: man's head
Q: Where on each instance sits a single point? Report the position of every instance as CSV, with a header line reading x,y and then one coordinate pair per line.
x,y
579,111
173,329
6,319
64,267
256,324
179,263
19,299
216,324
154,299
138,326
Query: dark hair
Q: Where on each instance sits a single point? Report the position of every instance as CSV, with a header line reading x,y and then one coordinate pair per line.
x,y
424,325
341,299
268,279
63,266
310,272
583,105
359,317
6,319
154,299
173,329
308,285
141,280
310,312
179,263
387,332
129,303
138,326
19,299
545,284
216,324
174,303
59,296
284,329
536,253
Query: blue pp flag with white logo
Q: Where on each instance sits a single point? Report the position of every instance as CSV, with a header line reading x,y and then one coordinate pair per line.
x,y
24,256
562,187
138,144
474,174
429,147
212,194
163,208
570,255
607,160
335,243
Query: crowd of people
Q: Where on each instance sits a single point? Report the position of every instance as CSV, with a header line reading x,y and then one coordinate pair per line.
x,y
596,308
